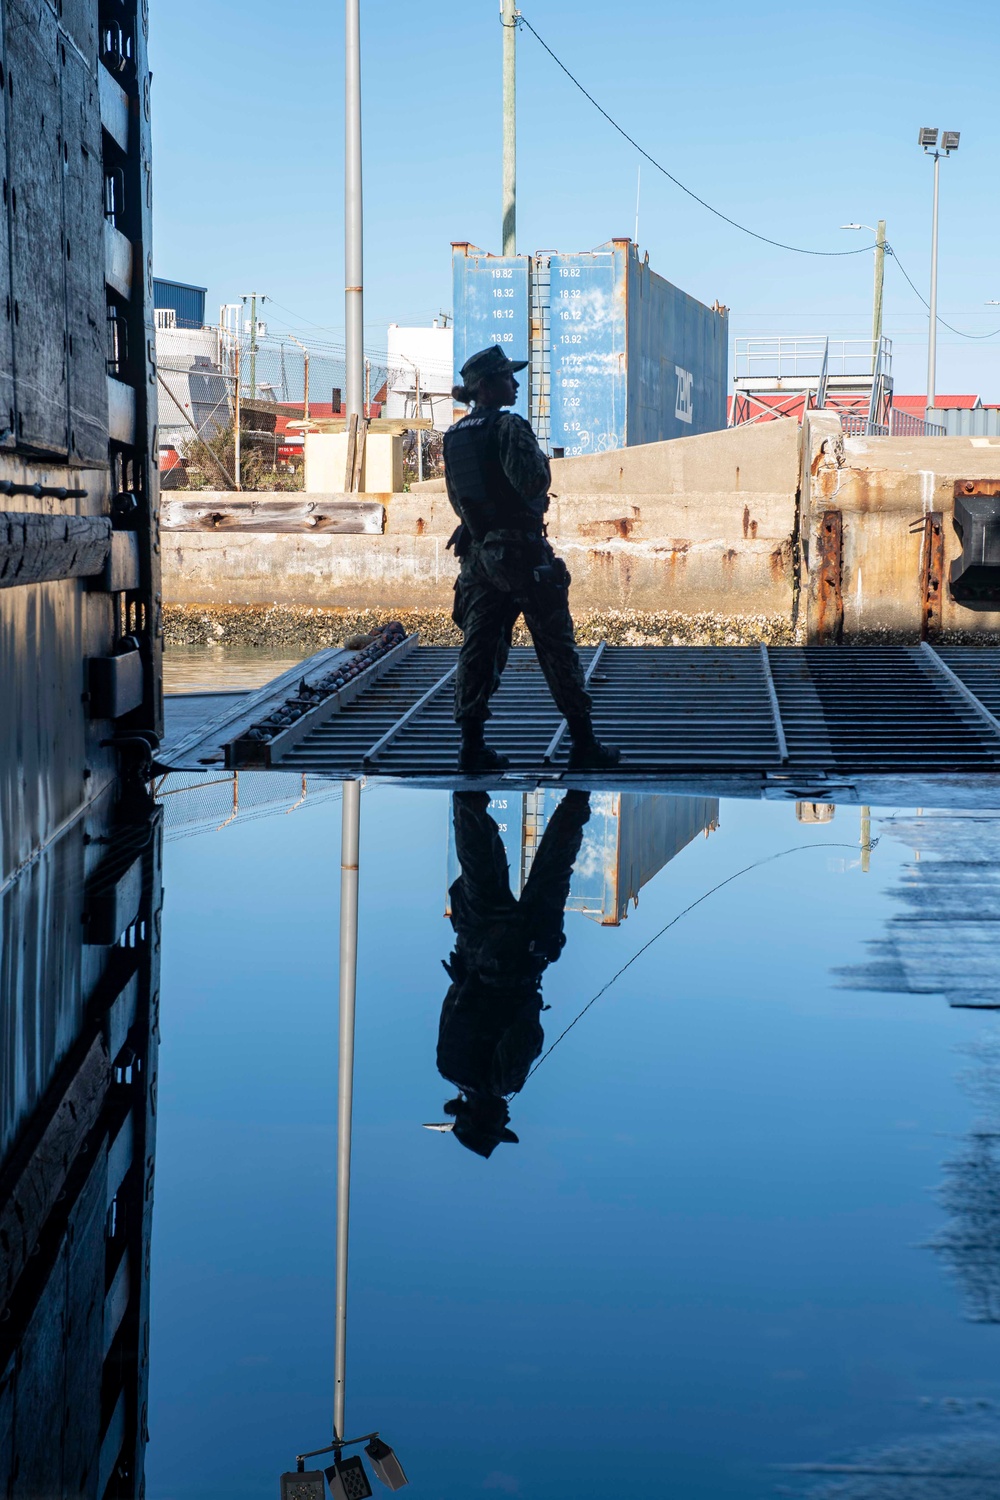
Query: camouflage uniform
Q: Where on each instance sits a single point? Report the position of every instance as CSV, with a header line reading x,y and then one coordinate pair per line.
x,y
498,582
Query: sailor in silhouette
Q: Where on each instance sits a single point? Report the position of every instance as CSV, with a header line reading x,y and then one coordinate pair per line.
x,y
490,1032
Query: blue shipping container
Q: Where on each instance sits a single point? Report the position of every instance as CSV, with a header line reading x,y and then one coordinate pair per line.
x,y
618,354
492,291
629,838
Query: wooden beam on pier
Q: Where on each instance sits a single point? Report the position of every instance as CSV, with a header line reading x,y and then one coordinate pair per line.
x,y
339,515
45,549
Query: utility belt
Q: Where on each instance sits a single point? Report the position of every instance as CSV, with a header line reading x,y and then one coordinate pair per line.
x,y
506,534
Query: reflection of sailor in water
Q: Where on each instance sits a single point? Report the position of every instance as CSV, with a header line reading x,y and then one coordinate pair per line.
x,y
490,1031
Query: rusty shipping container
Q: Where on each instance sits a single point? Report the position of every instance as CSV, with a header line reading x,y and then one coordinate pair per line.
x,y
617,354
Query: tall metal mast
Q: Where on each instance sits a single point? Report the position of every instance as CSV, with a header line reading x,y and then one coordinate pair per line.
x,y
353,241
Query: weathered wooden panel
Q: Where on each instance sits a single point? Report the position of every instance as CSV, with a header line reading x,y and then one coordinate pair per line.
x,y
40,549
8,416
117,260
121,411
79,21
114,107
322,515
83,222
38,259
84,1330
8,1388
35,1189
39,1399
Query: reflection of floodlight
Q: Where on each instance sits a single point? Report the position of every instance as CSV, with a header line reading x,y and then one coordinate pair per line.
x,y
307,1486
928,136
347,1480
443,1126
386,1465
949,140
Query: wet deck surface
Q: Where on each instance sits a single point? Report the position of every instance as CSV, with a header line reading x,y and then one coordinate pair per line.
x,y
807,716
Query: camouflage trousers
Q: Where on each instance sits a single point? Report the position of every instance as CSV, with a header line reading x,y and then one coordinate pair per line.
x,y
495,586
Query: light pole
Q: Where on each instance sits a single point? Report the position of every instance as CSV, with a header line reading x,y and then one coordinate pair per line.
x,y
305,375
879,234
928,139
353,240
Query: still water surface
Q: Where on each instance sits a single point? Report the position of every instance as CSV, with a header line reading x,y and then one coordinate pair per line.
x,y
712,1264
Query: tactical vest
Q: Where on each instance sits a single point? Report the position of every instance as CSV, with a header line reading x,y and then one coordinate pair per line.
x,y
478,488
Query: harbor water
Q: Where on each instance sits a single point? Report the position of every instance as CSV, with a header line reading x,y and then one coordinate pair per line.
x,y
745,1242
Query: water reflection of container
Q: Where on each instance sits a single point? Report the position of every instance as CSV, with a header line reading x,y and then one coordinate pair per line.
x,y
629,838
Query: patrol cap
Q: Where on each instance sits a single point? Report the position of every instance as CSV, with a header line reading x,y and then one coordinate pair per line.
x,y
488,364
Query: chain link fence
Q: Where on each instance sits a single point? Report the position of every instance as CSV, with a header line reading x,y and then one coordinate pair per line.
x,y
230,407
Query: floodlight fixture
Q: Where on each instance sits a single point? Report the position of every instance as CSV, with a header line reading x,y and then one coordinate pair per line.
x,y
928,136
949,140
347,1479
305,1485
852,226
386,1465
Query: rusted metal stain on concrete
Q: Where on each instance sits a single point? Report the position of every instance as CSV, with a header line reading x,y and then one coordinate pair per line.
x,y
829,593
749,525
964,487
931,575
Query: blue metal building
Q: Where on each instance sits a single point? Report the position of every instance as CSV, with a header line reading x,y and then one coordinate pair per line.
x,y
186,301
617,354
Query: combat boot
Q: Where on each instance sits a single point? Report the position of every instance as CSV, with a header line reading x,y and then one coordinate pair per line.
x,y
475,754
586,752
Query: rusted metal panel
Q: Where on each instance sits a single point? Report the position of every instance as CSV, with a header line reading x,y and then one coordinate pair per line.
x,y
83,231
829,615
39,549
931,575
38,256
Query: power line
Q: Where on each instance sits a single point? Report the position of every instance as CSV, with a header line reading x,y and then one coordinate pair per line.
x,y
779,244
756,865
941,320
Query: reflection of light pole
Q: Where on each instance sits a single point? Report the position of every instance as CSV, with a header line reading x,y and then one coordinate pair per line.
x,y
349,851
346,1477
879,234
928,138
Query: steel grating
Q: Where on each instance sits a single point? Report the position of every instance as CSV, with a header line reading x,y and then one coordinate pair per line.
x,y
754,710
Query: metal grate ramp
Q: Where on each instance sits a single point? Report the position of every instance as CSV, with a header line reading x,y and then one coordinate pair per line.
x,y
894,709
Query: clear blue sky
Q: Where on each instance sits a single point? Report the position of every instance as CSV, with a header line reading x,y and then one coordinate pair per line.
x,y
792,119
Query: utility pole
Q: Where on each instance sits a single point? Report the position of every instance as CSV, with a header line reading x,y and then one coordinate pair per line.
x,y
508,19
353,223
879,283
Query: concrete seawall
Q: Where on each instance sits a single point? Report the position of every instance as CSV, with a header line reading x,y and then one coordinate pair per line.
x,y
726,525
